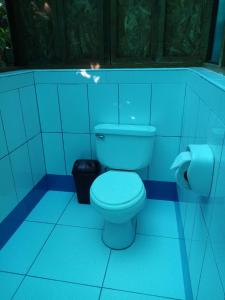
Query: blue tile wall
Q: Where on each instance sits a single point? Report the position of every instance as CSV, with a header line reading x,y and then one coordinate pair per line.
x,y
22,171
12,119
8,197
30,111
203,217
167,108
48,103
135,103
73,119
3,146
186,105
77,146
54,153
21,163
80,99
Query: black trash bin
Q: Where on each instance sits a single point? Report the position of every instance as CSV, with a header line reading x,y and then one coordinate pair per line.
x,y
84,173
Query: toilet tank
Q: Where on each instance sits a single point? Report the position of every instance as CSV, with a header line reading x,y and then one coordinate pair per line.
x,y
124,147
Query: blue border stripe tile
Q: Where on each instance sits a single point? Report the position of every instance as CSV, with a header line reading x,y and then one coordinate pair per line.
x,y
184,257
63,183
161,190
10,224
154,189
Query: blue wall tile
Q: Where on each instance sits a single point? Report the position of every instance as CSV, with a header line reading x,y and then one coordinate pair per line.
x,y
54,153
165,151
191,108
203,119
12,119
30,111
77,146
14,80
74,108
135,103
22,171
3,146
103,103
48,103
37,161
167,108
210,285
8,198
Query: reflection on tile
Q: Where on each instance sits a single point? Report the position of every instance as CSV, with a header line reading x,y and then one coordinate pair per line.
x,y
20,251
158,217
8,284
81,257
37,288
104,96
151,265
135,103
50,207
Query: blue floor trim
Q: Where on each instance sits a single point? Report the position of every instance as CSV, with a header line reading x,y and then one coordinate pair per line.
x,y
65,183
184,256
161,190
154,189
10,224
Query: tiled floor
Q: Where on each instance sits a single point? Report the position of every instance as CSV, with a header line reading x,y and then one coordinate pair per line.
x,y
57,254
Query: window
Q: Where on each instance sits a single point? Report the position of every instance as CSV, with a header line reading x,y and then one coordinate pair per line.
x,y
120,33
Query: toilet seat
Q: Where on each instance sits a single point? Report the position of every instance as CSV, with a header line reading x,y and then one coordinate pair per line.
x,y
117,189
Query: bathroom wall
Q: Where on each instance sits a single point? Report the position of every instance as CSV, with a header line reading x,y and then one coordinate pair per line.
x,y
204,218
72,102
21,152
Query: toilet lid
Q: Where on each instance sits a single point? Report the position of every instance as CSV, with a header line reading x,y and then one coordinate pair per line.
x,y
117,187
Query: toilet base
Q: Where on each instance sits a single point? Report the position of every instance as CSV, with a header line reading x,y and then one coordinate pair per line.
x,y
119,236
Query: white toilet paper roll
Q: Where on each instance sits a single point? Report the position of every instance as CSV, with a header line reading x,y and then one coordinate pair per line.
x,y
181,165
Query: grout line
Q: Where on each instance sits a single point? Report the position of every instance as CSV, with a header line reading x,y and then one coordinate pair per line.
x,y
143,294
110,251
40,250
119,104
89,285
89,121
16,88
40,126
10,161
21,145
26,135
184,258
62,132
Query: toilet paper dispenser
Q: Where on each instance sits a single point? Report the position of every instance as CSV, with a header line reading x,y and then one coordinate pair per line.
x,y
194,169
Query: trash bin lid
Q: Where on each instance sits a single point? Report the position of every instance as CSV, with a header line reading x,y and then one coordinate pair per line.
x,y
86,166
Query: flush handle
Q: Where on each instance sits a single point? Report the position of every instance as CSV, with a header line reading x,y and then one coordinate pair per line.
x,y
100,136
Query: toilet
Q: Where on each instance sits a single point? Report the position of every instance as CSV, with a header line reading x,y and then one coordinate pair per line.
x,y
119,193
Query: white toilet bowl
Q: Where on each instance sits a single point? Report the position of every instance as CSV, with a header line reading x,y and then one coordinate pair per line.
x,y
118,196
